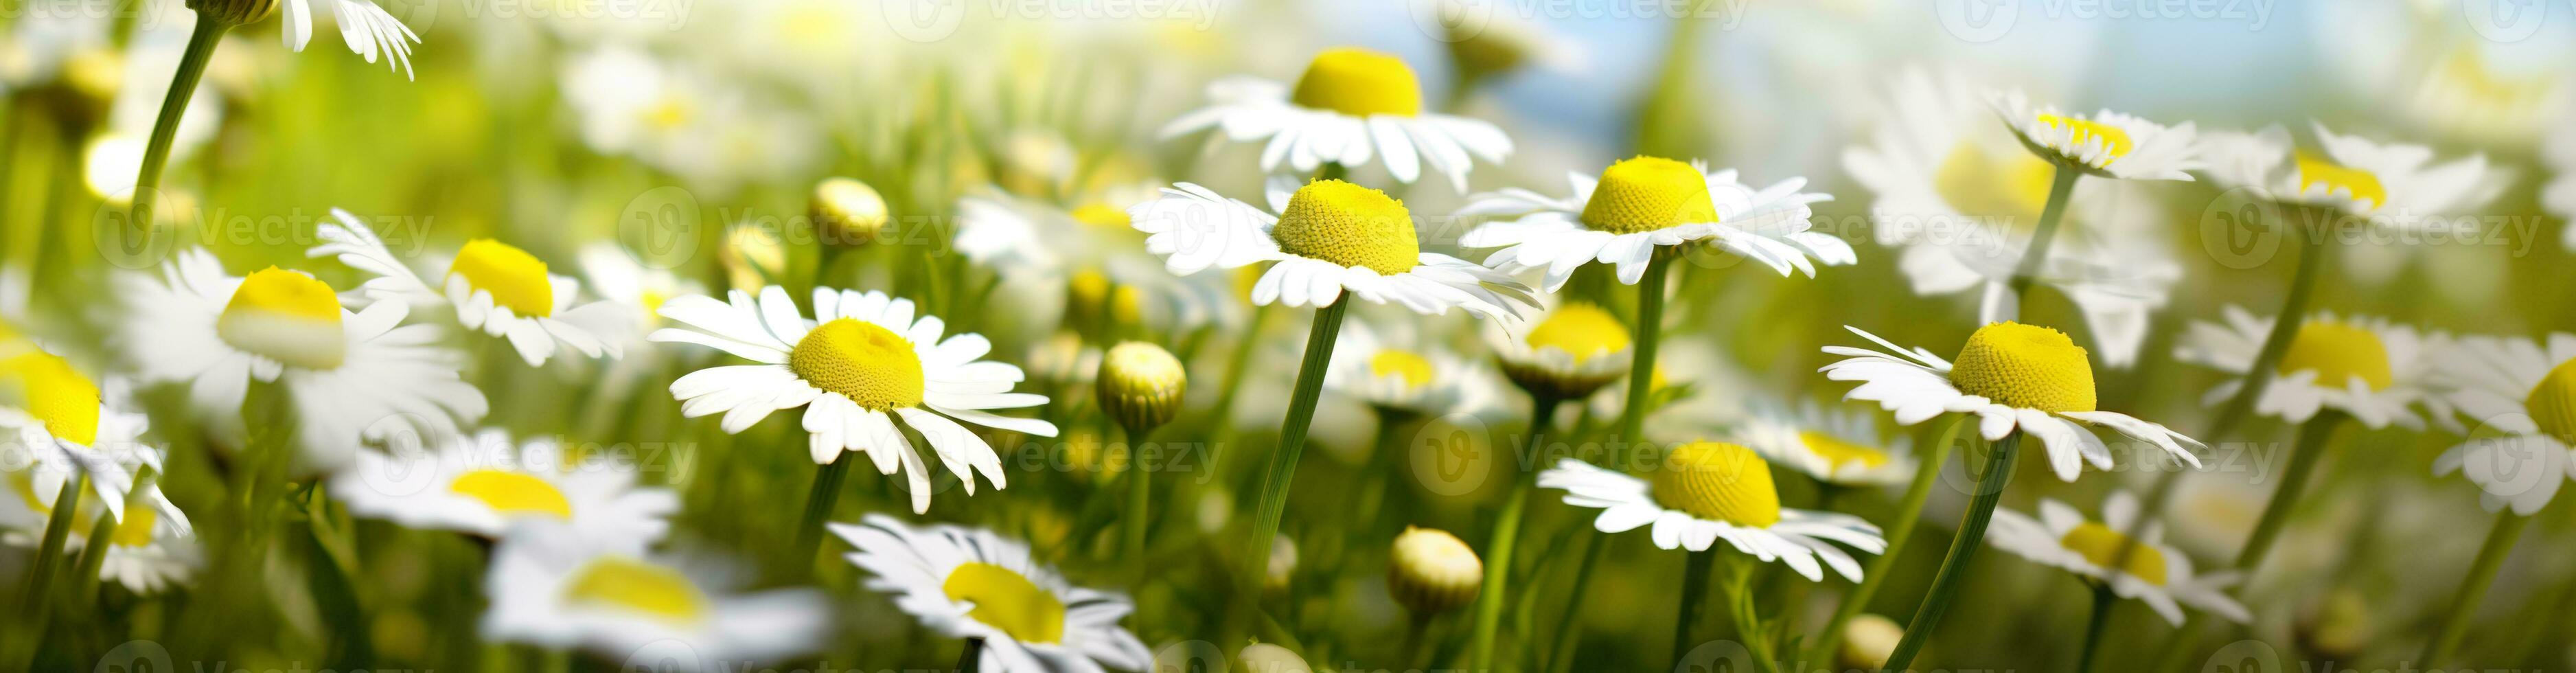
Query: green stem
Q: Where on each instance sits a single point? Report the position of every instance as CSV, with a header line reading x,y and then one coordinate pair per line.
x,y
165,128
2032,258
1900,529
818,508
2103,599
1641,372
1694,589
1748,620
1283,458
2294,481
37,596
1506,537
2482,572
971,658
1139,491
1963,548
1560,658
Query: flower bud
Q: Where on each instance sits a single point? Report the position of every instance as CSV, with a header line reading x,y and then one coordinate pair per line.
x,y
1140,384
1430,571
234,12
1867,640
847,212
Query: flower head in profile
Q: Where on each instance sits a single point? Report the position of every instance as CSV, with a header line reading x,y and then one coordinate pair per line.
x,y
496,287
1086,264
972,583
369,30
2104,144
2152,571
1322,239
1569,353
2010,377
1704,492
2370,368
1645,206
1352,107
863,362
1393,371
553,586
2351,174
482,482
2525,390
59,426
1835,446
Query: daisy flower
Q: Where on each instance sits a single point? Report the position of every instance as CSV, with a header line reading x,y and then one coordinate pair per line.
x,y
57,424
1707,491
867,362
1642,207
150,549
1837,447
1380,370
496,288
2389,183
1569,354
2105,144
2367,367
552,587
2010,376
2525,390
2154,573
482,482
1326,237
352,376
972,583
1352,106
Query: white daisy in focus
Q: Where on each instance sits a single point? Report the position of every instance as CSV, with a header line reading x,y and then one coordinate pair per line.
x,y
2526,392
2010,376
482,482
2390,184
972,583
367,29
2370,368
551,587
1353,106
1709,491
2106,143
1644,206
496,288
352,376
2154,573
1391,372
1835,446
1327,237
866,363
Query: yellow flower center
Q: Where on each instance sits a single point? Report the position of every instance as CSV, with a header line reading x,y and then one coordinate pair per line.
x,y
869,364
1359,82
2339,352
48,388
285,316
2025,366
1101,215
1719,482
2552,404
1648,193
516,279
1414,369
513,493
2316,171
1838,452
1350,225
1581,330
1008,601
136,529
1981,184
628,584
2085,131
2101,545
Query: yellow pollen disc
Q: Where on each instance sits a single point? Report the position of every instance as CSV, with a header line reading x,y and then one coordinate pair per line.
x,y
1101,215
516,279
1359,82
1350,225
1838,453
2316,171
286,316
869,364
1414,369
2025,366
671,113
1719,482
2113,138
2101,545
1008,601
629,584
136,529
1582,330
512,493
2552,404
2339,352
1981,184
48,388
1648,193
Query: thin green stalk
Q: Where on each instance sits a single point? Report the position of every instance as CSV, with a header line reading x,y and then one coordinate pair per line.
x,y
37,596
2060,189
165,128
1139,491
1560,657
102,536
971,658
2103,599
2482,572
1963,548
1694,589
1748,620
1506,537
1283,458
818,508
1641,372
1909,512
2294,481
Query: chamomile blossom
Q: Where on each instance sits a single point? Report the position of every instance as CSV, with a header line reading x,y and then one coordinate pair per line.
x,y
1645,206
1835,446
865,361
1570,353
1388,371
1352,107
150,548
972,583
553,587
2104,144
480,483
60,425
351,376
2392,184
2370,368
367,29
2154,573
2010,376
1707,491
1327,237
496,288
2526,390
